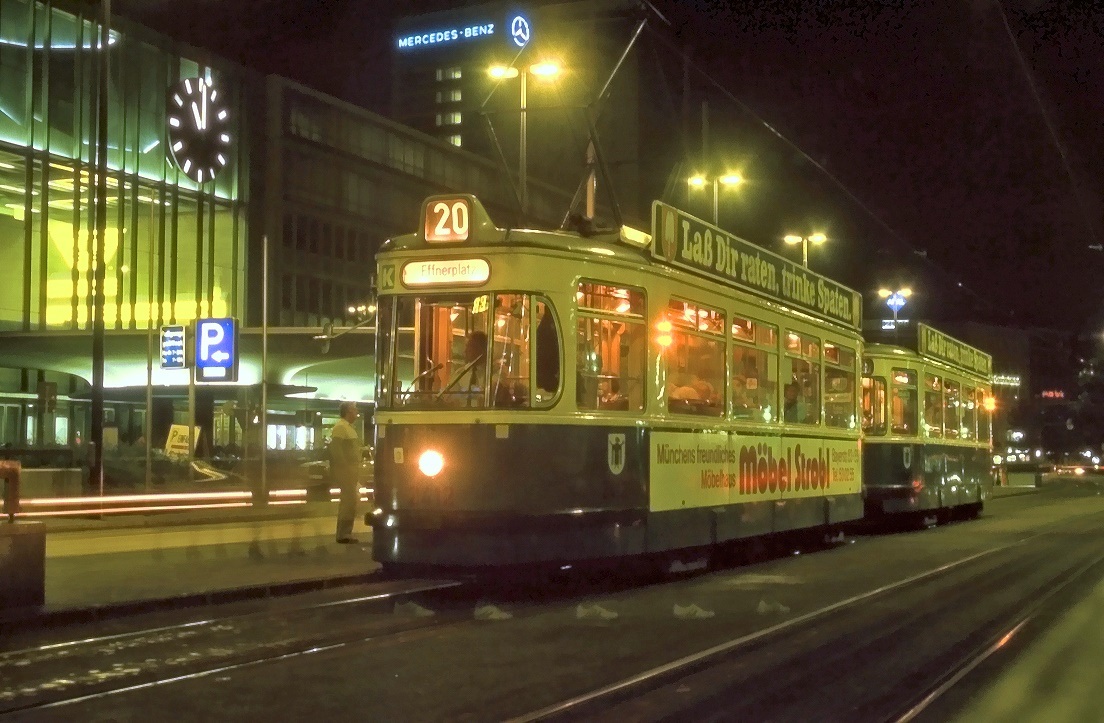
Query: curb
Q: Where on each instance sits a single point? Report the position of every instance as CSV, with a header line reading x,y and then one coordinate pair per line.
x,y
168,518
40,617
1015,491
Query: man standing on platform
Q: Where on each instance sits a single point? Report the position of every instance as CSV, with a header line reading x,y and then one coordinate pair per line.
x,y
345,460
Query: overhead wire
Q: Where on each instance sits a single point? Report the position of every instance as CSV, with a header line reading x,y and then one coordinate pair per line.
x,y
840,185
1052,129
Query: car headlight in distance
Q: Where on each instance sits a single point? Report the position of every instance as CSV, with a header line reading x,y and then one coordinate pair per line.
x,y
431,463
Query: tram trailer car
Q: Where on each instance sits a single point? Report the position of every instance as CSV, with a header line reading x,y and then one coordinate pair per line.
x,y
549,398
927,423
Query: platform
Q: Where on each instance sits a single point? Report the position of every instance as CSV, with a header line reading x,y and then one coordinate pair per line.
x,y
114,567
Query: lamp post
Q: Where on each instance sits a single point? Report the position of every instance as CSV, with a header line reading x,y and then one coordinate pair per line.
x,y
545,70
727,179
895,299
816,239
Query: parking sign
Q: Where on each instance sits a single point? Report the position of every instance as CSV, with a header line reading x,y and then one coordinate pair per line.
x,y
216,350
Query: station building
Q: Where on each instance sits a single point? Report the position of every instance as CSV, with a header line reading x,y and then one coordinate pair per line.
x,y
322,182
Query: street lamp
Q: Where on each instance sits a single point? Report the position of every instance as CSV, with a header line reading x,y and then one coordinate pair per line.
x,y
727,179
816,239
546,70
895,299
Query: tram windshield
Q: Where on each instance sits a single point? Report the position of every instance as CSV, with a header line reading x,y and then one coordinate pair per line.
x,y
467,351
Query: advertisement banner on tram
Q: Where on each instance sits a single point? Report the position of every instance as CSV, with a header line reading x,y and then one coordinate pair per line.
x,y
705,469
688,242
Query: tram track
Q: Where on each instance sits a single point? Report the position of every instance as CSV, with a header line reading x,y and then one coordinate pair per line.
x,y
998,643
56,674
384,639
763,670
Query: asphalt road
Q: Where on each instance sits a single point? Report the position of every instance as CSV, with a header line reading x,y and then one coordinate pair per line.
x,y
939,624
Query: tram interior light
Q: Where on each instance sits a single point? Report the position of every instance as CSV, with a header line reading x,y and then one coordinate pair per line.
x,y
664,338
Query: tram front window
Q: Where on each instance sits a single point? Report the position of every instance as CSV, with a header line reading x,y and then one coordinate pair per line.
x,y
470,351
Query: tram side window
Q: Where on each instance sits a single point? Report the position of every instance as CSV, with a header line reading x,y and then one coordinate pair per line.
x,y
801,395
611,349
874,405
933,406
754,370
839,386
695,359
902,410
951,409
969,413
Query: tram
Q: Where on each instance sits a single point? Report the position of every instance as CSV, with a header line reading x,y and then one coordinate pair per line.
x,y
548,397
927,422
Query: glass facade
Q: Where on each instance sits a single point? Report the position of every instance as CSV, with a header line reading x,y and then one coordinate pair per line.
x,y
173,249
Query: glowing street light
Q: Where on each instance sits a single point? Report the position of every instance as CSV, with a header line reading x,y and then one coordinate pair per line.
x,y
545,70
726,179
816,239
895,299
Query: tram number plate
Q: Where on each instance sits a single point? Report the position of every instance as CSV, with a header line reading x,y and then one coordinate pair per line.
x,y
447,220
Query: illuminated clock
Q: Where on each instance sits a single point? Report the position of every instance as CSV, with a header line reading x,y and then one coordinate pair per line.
x,y
199,128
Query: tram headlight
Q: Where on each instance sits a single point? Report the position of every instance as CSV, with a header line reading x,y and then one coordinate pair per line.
x,y
431,463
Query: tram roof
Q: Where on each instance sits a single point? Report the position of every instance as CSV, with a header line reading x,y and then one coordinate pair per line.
x,y
678,240
930,343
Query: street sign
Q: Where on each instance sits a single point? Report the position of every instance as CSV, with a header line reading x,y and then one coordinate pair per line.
x,y
216,350
172,347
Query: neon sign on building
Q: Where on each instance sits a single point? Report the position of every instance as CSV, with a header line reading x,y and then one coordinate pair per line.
x,y
516,29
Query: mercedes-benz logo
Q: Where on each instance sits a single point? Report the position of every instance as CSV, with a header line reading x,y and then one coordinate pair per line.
x,y
519,31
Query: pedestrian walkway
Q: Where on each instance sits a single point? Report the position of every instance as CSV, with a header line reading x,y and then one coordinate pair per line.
x,y
119,567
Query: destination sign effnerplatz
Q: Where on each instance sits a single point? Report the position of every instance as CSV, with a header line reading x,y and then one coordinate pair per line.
x,y
690,243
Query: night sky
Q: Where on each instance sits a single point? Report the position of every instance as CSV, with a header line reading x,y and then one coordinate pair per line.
x,y
976,159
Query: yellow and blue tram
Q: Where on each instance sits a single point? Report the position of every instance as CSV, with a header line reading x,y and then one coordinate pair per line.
x,y
549,397
927,423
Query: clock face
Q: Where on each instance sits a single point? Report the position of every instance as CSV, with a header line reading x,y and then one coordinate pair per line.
x,y
199,128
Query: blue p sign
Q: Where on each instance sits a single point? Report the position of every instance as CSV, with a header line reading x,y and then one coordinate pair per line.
x,y
216,350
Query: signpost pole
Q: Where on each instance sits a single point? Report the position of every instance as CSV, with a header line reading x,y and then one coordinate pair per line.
x,y
148,430
264,373
191,426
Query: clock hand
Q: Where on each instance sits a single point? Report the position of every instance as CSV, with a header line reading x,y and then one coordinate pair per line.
x,y
204,126
195,114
